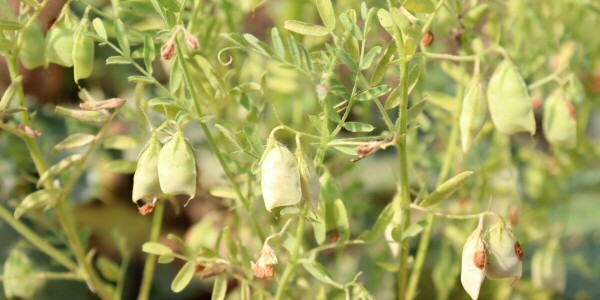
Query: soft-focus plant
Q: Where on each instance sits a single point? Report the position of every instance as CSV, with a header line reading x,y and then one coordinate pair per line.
x,y
329,131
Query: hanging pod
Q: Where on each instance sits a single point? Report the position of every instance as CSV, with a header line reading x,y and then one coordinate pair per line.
x,y
309,181
280,181
32,52
177,167
473,112
504,253
509,101
145,180
474,261
83,52
560,125
548,268
59,42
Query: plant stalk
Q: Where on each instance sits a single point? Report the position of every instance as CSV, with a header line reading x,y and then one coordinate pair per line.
x,y
150,262
291,266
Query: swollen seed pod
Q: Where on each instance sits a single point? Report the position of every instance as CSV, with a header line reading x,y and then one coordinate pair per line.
x,y
504,253
309,181
59,42
280,181
177,167
83,52
509,101
548,268
19,267
145,180
560,125
473,113
32,53
474,260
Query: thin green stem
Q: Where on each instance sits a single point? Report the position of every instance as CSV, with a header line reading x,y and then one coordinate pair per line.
x,y
212,144
44,275
37,241
544,80
415,276
451,216
432,16
450,57
291,266
150,262
62,209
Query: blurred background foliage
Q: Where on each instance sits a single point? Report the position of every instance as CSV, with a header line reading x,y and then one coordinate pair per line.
x,y
547,192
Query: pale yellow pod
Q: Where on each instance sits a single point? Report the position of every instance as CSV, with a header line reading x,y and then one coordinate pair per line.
x,y
145,180
474,261
473,113
177,167
560,124
509,101
548,268
309,181
280,181
504,253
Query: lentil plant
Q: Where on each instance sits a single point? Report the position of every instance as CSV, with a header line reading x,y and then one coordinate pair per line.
x,y
299,150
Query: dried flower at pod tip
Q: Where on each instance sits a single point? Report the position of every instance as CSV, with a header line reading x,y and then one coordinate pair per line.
x,y
191,41
536,103
167,51
427,39
263,268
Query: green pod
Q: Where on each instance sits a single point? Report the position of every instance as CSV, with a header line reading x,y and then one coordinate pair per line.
x,y
473,112
32,53
574,90
548,268
309,181
145,180
177,167
560,125
83,52
59,42
504,253
280,181
509,102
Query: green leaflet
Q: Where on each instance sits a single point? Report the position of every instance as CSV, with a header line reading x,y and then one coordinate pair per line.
x,y
509,102
446,189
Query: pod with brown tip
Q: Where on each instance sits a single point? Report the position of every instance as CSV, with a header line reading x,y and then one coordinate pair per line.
x,y
509,102
145,180
446,189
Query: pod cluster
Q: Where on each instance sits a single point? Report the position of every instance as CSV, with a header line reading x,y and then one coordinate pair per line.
x,y
495,254
168,169
288,178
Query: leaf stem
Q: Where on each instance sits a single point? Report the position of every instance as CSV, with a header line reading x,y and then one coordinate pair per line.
x,y
150,262
36,240
289,269
211,141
